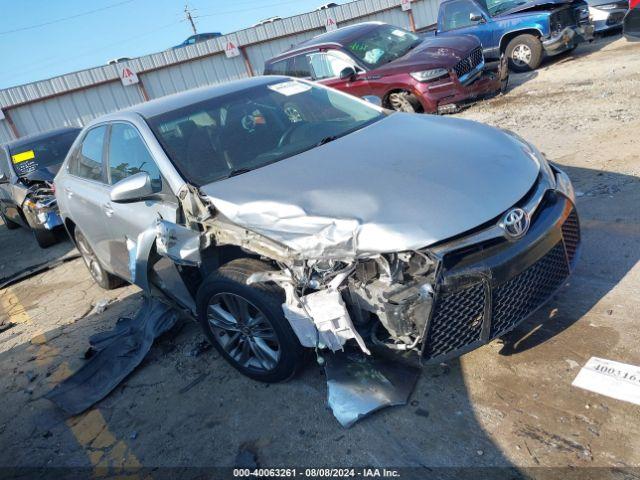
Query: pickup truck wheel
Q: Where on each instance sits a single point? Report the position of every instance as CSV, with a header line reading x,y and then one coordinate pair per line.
x,y
245,323
524,53
44,238
10,225
98,273
404,102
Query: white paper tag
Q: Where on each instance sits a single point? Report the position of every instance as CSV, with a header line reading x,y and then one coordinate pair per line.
x,y
290,88
609,378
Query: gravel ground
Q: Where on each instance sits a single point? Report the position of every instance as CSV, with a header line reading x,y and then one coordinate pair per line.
x,y
508,404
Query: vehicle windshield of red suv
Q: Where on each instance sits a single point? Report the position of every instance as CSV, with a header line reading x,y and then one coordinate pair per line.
x,y
383,45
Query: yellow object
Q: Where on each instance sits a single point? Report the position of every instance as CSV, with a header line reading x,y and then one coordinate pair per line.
x,y
23,157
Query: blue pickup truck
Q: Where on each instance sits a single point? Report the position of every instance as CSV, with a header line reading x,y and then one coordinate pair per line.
x,y
523,31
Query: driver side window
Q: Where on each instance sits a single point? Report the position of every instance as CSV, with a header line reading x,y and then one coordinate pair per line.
x,y
456,15
329,64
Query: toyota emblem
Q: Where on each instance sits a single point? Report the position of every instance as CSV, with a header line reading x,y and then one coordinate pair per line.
x,y
515,223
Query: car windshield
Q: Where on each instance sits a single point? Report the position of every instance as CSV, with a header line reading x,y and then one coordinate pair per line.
x,y
235,133
495,7
29,156
383,45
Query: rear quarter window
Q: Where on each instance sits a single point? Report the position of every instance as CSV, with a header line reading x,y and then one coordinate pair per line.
x,y
276,68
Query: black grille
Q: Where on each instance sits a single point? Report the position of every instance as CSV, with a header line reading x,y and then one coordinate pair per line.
x,y
456,321
465,65
571,234
515,299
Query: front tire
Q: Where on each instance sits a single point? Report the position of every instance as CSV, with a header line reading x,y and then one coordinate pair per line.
x,y
524,53
404,102
98,273
245,323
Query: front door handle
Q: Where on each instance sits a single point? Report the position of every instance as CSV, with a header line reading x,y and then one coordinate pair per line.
x,y
108,211
68,191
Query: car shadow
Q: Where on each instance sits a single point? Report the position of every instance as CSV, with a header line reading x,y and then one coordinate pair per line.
x,y
20,252
610,223
186,408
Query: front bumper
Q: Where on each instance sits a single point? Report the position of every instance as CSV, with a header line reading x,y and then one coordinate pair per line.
x,y
449,91
606,19
567,38
487,289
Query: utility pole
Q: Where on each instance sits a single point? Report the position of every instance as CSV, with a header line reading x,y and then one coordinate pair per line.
x,y
189,18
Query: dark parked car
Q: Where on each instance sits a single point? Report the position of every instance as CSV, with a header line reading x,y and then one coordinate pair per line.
x,y
27,168
405,71
631,22
287,215
200,37
524,31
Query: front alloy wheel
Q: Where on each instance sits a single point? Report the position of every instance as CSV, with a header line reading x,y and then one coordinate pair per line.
x,y
404,102
244,332
246,323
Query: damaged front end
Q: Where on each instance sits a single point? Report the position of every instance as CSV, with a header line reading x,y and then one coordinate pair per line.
x,y
40,206
438,302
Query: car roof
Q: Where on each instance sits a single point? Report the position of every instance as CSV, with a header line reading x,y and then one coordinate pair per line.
x,y
339,37
17,143
189,97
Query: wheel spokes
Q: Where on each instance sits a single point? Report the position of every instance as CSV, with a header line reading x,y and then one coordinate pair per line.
x,y
243,331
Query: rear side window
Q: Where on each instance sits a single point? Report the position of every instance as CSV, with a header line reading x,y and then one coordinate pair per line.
x,y
329,64
276,68
87,163
300,67
128,155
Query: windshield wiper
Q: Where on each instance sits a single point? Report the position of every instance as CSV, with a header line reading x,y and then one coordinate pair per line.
x,y
238,171
328,139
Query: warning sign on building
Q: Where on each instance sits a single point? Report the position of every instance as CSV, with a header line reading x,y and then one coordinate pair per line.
x,y
231,50
406,5
331,22
128,76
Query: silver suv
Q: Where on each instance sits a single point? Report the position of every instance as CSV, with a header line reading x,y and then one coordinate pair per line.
x,y
284,214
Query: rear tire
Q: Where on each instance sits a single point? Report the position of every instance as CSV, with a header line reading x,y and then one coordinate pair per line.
x,y
245,323
524,53
98,273
10,225
44,238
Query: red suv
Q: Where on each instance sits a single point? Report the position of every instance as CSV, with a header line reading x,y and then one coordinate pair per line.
x,y
407,72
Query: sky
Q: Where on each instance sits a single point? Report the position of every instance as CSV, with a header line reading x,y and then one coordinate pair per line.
x,y
41,39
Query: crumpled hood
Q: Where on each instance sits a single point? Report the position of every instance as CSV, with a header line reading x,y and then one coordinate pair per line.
x,y
402,183
535,4
433,52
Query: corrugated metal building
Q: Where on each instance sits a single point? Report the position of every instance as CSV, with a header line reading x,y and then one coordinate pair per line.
x,y
76,98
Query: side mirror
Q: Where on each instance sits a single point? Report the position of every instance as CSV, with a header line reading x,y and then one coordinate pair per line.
x,y
132,189
348,73
373,99
475,17
3,178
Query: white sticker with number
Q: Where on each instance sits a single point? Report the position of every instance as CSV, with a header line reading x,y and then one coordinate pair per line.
x,y
613,379
290,88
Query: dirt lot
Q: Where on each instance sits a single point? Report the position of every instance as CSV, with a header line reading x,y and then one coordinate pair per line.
x,y
508,404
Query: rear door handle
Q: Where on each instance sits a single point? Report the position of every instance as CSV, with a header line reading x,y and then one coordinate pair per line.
x,y
108,211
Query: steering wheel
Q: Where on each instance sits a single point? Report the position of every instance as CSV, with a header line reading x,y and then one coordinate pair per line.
x,y
284,139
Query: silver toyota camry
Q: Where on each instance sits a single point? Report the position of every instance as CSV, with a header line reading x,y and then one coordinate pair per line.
x,y
285,215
